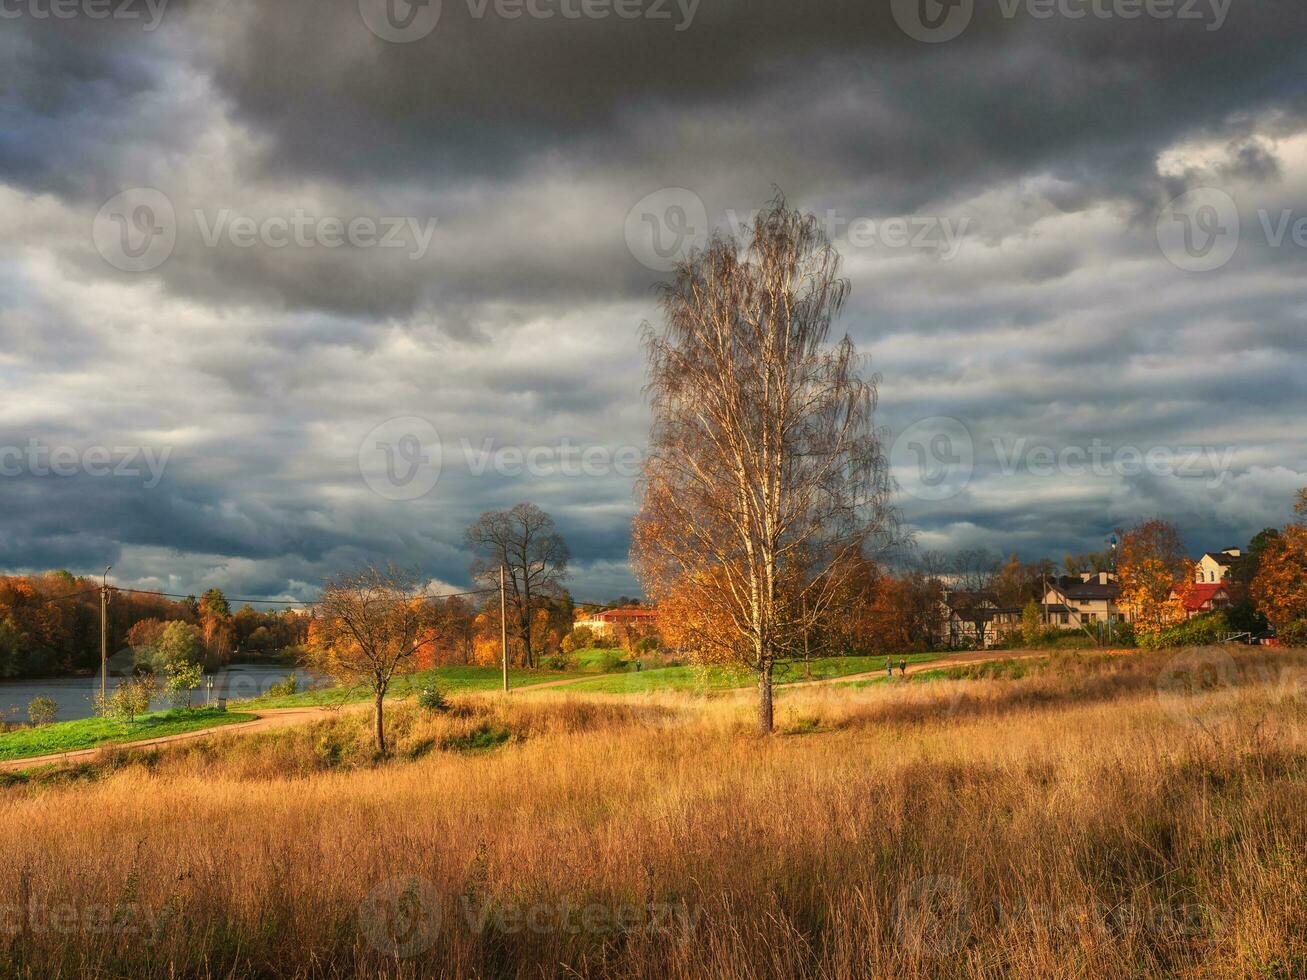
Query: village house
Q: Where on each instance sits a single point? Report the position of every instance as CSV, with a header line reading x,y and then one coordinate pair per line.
x,y
613,623
975,620
1083,601
1205,597
1216,566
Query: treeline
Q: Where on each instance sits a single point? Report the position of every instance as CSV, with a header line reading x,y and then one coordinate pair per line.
x,y
50,626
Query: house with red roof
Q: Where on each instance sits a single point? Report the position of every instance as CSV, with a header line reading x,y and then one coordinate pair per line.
x,y
614,622
1206,597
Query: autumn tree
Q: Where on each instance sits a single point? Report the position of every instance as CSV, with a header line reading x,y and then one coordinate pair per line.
x,y
369,628
1151,566
1018,582
765,475
527,545
216,625
1280,588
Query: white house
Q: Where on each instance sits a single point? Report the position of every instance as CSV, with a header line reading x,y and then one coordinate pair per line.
x,y
1216,566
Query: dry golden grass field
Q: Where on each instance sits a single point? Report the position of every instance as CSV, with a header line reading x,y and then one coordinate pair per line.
x,y
1141,816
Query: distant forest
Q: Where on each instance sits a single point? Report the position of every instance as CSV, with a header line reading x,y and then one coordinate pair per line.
x,y
50,625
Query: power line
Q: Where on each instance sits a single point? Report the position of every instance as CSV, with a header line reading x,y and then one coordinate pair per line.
x,y
287,602
71,595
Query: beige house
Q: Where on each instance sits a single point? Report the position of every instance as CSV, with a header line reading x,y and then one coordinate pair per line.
x,y
1083,601
975,620
613,623
1216,566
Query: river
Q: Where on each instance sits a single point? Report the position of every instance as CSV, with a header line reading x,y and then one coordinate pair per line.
x,y
73,694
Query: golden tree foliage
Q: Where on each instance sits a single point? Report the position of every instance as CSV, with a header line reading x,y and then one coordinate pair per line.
x,y
370,627
1280,588
1151,569
765,475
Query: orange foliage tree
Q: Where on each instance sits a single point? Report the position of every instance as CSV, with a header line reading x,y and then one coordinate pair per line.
x,y
1151,569
369,628
1280,588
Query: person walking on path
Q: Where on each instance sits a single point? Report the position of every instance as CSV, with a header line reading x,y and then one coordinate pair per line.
x,y
903,667
889,668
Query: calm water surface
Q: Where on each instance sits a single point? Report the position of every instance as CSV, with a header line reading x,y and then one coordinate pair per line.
x,y
73,694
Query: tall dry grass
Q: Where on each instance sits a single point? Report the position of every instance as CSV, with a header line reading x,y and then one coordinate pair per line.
x,y
1095,819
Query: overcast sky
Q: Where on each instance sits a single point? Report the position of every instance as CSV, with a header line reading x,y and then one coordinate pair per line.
x,y
265,265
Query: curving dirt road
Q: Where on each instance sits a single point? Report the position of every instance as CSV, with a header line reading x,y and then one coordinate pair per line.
x,y
265,719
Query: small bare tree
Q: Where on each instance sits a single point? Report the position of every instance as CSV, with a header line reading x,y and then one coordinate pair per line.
x,y
766,477
369,628
534,556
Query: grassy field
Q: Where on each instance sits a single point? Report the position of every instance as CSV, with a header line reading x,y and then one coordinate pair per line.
x,y
1140,816
590,675
720,678
453,680
68,736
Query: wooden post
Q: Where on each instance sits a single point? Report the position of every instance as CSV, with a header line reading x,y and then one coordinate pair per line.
x,y
503,623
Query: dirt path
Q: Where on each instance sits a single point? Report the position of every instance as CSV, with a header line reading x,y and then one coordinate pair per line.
x,y
979,657
265,719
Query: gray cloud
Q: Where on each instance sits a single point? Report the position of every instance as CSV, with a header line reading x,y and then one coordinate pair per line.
x,y
262,368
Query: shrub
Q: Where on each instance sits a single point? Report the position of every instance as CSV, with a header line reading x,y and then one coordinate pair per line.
x,y
182,679
557,661
130,698
1199,631
609,661
648,644
581,638
432,698
42,710
285,687
1293,635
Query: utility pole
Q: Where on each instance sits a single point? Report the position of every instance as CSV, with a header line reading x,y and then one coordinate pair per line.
x,y
503,623
104,633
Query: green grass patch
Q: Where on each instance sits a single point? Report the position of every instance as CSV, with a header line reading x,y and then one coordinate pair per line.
x,y
86,733
482,739
727,678
452,680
